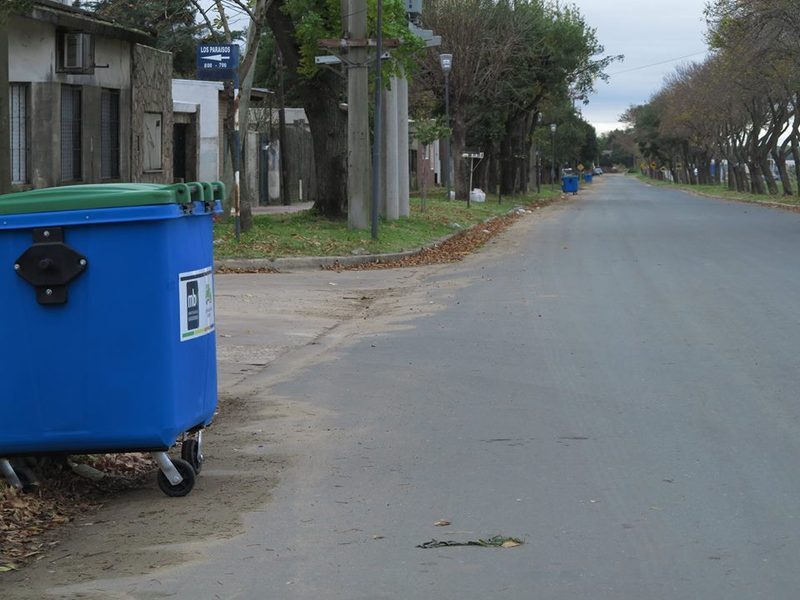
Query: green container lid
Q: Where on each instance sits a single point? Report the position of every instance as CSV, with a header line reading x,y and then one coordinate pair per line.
x,y
111,195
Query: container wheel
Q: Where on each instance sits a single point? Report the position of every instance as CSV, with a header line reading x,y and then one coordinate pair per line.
x,y
27,478
184,487
190,452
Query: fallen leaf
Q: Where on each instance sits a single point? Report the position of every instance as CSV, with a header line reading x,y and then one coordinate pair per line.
x,y
442,523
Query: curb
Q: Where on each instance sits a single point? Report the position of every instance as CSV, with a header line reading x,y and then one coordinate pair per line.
x,y
305,263
300,263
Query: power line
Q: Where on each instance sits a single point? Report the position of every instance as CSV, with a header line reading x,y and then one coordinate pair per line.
x,y
663,62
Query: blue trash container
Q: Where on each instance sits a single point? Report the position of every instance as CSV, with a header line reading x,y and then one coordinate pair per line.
x,y
587,177
569,184
108,340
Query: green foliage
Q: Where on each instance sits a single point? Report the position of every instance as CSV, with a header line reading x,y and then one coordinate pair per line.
x,y
11,7
428,131
616,148
320,19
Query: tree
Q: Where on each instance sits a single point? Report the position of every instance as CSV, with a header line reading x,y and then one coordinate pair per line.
x,y
509,60
297,27
617,147
762,38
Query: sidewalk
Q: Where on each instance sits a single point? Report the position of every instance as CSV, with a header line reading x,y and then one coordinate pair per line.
x,y
278,209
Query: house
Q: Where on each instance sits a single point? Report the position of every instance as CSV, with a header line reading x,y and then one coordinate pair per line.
x,y
199,142
89,101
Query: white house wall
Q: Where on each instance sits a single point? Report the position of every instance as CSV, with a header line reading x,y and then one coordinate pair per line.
x,y
206,95
33,50
32,61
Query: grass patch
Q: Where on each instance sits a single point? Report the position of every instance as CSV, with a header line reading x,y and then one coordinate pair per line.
x,y
307,234
722,191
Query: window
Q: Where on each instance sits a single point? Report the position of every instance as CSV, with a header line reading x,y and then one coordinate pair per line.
x,y
109,134
153,142
75,52
18,105
71,150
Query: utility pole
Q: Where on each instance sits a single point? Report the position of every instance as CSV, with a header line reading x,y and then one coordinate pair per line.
x,y
402,144
446,62
358,150
376,146
5,127
390,207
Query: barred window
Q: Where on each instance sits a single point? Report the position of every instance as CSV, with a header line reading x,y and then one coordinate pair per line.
x,y
18,116
71,150
109,134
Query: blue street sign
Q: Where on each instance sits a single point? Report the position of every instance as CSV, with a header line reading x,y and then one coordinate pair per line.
x,y
218,62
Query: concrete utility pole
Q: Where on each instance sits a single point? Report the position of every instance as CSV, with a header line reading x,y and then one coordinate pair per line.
x,y
358,149
390,207
402,145
395,145
5,127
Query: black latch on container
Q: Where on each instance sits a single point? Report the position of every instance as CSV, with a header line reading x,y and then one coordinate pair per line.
x,y
49,265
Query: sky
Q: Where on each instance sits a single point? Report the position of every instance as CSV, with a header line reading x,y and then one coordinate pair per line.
x,y
646,32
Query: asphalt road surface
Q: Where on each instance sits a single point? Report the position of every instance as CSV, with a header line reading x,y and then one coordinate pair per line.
x,y
615,383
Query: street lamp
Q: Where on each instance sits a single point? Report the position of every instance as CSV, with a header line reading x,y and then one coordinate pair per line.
x,y
553,128
446,61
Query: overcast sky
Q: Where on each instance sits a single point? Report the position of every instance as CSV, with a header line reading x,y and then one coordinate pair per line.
x,y
646,32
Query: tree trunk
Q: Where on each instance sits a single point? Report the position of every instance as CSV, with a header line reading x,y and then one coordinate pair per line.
x,y
329,134
742,182
796,154
756,182
507,164
763,164
460,174
780,161
320,98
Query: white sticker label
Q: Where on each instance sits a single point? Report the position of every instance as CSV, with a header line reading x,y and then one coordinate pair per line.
x,y
197,303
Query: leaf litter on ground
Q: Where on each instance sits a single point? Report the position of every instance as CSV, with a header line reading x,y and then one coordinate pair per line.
x,y
26,518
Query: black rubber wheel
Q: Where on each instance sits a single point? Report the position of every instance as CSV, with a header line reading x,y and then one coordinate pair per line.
x,y
184,487
190,452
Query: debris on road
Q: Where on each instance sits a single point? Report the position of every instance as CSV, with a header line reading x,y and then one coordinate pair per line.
x,y
442,523
497,541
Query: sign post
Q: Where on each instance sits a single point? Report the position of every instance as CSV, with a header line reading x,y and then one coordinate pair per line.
x,y
220,62
471,156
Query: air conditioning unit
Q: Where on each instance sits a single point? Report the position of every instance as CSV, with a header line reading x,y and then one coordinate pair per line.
x,y
75,51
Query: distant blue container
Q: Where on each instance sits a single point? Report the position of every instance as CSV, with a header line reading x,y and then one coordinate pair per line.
x,y
587,177
122,357
569,184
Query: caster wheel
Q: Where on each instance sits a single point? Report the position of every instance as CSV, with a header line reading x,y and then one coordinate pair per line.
x,y
27,478
190,452
184,487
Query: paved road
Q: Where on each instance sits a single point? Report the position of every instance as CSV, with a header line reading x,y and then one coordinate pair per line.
x,y
617,386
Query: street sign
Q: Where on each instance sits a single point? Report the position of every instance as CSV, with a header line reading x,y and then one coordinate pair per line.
x,y
218,62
